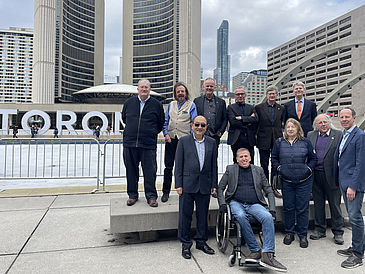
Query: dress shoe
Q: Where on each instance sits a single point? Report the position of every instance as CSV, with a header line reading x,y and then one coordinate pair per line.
x,y
317,235
153,203
206,249
288,239
131,202
277,194
186,253
165,197
303,243
339,239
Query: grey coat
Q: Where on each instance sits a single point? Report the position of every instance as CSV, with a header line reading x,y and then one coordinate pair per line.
x,y
333,139
230,179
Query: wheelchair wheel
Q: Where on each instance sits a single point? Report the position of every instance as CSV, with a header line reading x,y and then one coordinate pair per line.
x,y
232,260
222,231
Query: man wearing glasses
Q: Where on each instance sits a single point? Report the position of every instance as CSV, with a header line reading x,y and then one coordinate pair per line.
x,y
213,109
325,140
243,119
196,177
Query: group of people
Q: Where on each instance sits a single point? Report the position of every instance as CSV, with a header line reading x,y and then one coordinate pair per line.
x,y
324,162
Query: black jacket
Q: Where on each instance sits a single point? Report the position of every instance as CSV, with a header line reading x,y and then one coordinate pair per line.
x,y
142,130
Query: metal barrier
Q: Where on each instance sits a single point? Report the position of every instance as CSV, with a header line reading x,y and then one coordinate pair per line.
x,y
68,158
49,158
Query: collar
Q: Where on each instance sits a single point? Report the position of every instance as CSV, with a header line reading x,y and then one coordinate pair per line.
x,y
349,130
244,104
180,104
202,141
327,133
301,100
139,98
267,102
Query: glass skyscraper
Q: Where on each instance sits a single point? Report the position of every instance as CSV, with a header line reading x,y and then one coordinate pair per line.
x,y
222,71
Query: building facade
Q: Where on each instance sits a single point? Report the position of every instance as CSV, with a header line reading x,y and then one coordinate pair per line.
x,y
222,71
255,86
68,48
324,75
161,43
238,80
16,57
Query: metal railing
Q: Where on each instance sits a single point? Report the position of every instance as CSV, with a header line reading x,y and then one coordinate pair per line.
x,y
86,158
48,158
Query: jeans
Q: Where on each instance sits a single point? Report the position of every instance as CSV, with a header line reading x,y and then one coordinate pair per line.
x,y
357,222
241,212
296,203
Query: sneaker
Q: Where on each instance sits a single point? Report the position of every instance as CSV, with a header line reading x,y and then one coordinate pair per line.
x,y
345,252
288,239
339,239
254,257
303,243
317,235
352,262
268,260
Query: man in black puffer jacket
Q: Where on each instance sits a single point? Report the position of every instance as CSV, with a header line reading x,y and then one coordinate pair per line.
x,y
143,116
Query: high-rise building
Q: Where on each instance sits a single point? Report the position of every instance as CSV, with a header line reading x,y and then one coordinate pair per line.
x,y
16,57
222,71
161,42
255,86
68,48
238,80
322,76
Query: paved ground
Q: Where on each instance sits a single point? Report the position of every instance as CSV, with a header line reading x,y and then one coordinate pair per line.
x,y
70,234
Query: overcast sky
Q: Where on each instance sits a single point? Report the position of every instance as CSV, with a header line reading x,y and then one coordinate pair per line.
x,y
255,27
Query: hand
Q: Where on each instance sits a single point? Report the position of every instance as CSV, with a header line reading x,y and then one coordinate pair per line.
x,y
253,114
223,209
179,191
273,214
238,118
219,134
212,190
167,138
351,193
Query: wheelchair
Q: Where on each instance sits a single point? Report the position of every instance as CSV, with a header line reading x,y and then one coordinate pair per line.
x,y
225,228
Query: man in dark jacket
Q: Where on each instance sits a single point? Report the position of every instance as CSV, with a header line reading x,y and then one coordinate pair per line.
x,y
269,129
143,116
213,109
242,119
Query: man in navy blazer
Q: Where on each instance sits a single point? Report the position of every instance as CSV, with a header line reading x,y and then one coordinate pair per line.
x,y
349,172
196,177
307,109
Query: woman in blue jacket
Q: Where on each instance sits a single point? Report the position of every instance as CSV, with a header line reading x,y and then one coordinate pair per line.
x,y
295,160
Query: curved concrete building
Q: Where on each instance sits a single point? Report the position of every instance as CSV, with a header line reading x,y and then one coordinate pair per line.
x,y
69,48
161,42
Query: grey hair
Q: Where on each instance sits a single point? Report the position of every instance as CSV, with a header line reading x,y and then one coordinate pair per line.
x,y
329,119
141,80
271,88
298,83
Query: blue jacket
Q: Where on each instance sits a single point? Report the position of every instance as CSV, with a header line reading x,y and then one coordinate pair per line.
x,y
142,130
296,161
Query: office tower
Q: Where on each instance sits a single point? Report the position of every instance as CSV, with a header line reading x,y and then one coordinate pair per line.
x,y
222,71
322,76
68,48
161,42
16,56
238,80
255,86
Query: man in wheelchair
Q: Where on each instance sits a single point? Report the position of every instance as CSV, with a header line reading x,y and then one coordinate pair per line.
x,y
244,183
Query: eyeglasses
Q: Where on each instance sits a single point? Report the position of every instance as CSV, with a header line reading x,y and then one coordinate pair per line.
x,y
200,124
322,123
240,94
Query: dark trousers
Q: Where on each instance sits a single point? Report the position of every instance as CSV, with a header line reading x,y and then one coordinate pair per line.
x,y
264,160
321,188
186,208
132,156
240,143
296,203
170,150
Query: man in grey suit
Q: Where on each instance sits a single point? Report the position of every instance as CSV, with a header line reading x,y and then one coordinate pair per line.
x,y
349,167
245,183
325,140
196,177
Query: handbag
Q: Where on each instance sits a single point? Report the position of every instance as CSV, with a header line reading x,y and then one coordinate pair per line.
x,y
277,182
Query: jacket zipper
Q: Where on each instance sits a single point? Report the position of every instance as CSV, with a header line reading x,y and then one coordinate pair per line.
x,y
139,123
